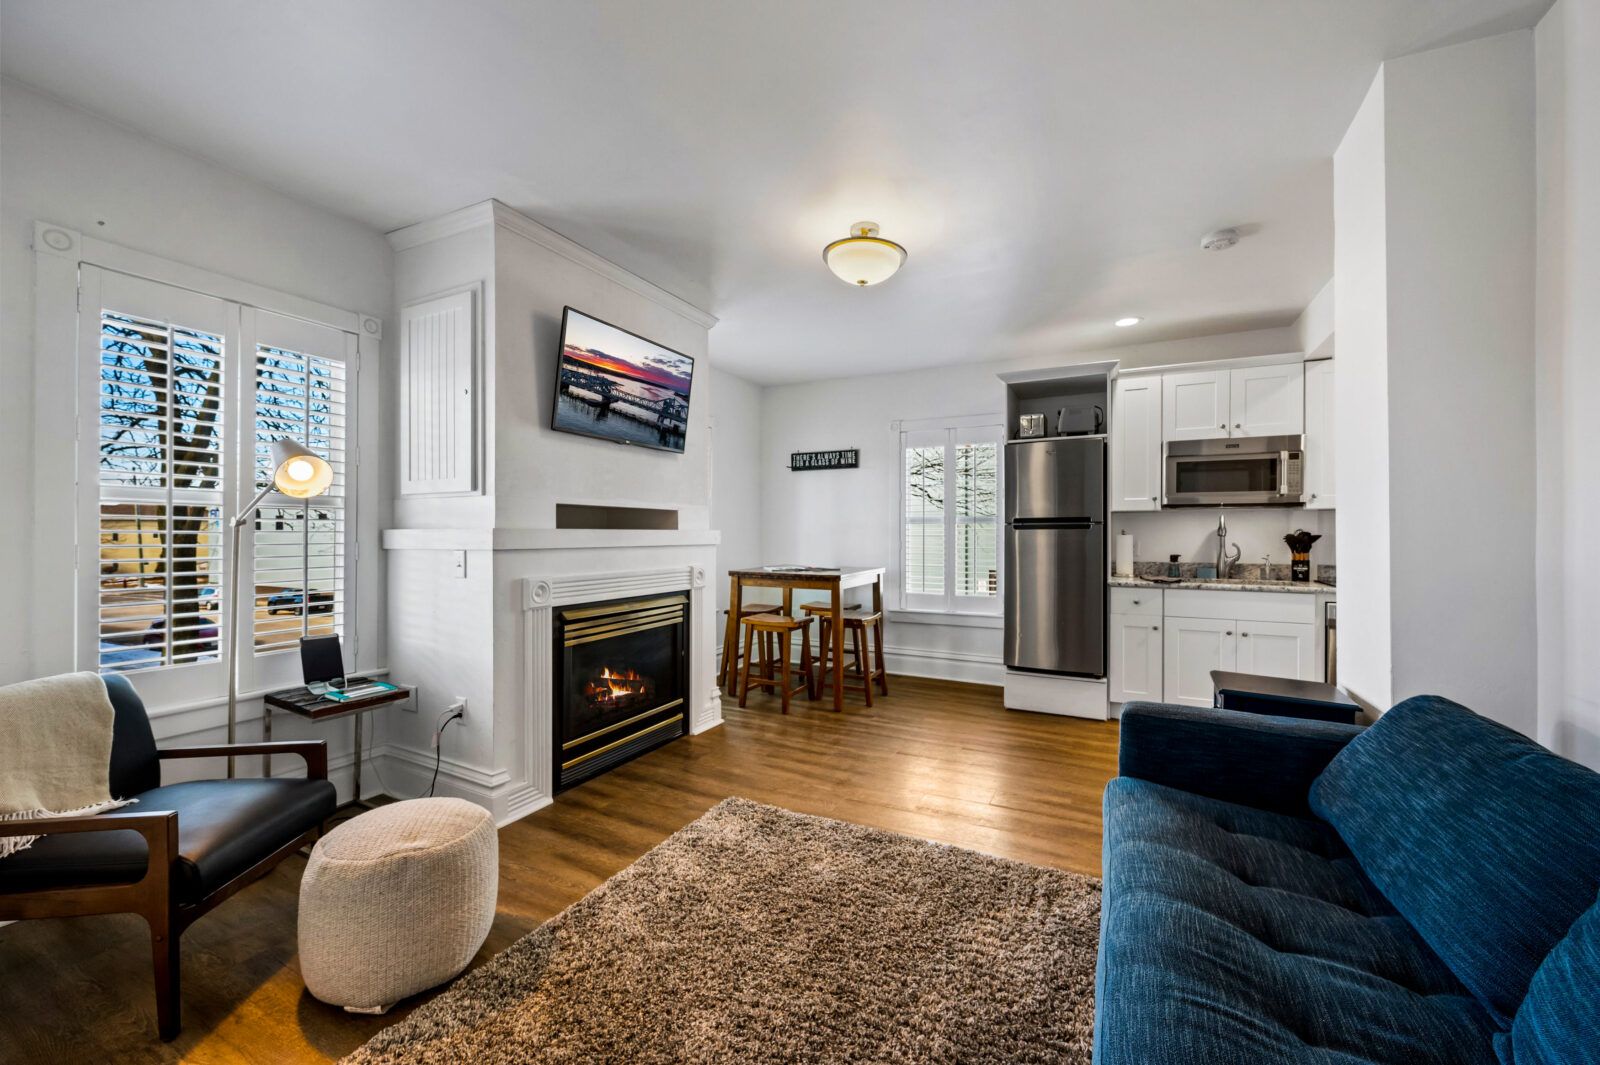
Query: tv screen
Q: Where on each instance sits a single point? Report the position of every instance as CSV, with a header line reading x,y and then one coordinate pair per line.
x,y
617,385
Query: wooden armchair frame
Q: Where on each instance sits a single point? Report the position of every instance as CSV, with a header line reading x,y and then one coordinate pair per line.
x,y
151,896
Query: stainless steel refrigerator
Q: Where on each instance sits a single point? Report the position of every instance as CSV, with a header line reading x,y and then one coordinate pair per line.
x,y
1056,555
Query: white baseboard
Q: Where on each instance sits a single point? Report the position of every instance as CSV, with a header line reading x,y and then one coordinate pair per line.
x,y
1043,693
946,665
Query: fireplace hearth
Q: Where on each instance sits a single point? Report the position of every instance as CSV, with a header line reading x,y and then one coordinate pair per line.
x,y
621,679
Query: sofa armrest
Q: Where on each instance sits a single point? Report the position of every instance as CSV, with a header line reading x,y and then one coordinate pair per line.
x,y
315,753
1250,759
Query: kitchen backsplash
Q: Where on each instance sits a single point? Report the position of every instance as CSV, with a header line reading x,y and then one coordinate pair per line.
x,y
1192,534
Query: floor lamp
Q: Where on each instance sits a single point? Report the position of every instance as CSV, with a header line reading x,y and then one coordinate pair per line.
x,y
297,472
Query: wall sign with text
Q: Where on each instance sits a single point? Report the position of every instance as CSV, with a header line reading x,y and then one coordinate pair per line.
x,y
848,458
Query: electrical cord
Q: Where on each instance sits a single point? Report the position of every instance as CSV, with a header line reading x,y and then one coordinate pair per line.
x,y
451,713
438,748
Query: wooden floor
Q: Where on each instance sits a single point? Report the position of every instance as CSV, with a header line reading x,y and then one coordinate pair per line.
x,y
939,760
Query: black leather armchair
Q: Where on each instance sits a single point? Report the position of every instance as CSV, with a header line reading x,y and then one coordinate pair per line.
x,y
177,853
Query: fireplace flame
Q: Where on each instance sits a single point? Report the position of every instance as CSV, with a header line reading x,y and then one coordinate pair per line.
x,y
615,686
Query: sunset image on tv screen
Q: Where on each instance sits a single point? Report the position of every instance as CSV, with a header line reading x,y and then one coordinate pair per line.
x,y
621,387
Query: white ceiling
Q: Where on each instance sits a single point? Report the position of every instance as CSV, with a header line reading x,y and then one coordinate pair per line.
x,y
1050,166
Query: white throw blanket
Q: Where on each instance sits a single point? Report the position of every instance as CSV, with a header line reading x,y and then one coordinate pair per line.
x,y
55,751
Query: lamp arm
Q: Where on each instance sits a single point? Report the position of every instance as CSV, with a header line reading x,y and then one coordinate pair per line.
x,y
236,526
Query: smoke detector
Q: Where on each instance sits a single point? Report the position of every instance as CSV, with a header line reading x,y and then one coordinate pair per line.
x,y
1220,239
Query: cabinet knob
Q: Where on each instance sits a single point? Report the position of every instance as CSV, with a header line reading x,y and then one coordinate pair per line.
x,y
1224,425
1155,628
1238,425
1246,634
1153,499
1136,602
1313,495
1228,633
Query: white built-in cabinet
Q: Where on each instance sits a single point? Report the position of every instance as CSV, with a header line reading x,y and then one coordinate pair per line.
x,y
1251,401
1136,444
1194,406
1319,482
1267,400
1193,648
1165,643
1135,642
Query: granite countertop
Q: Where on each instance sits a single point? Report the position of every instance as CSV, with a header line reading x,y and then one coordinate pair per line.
x,y
1246,585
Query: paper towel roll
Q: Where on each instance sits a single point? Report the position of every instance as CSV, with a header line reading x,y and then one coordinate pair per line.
x,y
1124,565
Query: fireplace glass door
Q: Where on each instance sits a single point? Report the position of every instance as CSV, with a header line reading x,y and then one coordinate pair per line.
x,y
620,684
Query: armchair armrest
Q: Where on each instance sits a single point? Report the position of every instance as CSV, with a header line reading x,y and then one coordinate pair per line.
x,y
1250,759
315,753
160,831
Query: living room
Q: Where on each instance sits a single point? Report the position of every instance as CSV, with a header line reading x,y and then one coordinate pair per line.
x,y
754,533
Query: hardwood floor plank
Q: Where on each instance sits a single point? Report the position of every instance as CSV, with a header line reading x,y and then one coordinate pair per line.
x,y
935,759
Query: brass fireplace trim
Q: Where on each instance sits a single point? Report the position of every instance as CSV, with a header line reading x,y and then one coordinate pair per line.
x,y
588,628
598,751
624,608
620,724
592,635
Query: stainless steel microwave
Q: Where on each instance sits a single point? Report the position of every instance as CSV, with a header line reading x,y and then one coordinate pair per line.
x,y
1261,471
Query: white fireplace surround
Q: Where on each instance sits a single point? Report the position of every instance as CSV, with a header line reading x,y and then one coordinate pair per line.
x,y
472,616
540,595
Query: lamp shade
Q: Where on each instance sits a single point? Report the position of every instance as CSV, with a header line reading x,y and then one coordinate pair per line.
x,y
299,472
864,258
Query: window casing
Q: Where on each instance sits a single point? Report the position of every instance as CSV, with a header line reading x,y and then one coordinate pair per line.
x,y
170,405
950,492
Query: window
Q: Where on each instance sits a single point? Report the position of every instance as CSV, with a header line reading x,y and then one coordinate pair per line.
x,y
299,545
183,396
950,533
160,492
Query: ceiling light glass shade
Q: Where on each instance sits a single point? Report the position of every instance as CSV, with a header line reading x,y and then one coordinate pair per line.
x,y
864,258
298,471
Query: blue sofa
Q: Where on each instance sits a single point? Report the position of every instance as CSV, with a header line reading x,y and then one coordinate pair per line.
x,y
1282,891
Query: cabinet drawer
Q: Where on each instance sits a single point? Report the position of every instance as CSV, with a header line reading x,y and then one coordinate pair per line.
x,y
1136,601
1296,607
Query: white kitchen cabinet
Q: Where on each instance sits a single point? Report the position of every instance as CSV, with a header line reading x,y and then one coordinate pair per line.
x,y
1194,406
1136,444
1136,653
1191,649
1277,649
1319,482
1267,400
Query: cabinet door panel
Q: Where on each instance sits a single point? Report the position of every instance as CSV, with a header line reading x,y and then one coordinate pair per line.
x,y
1277,649
1319,435
1136,444
1194,406
1193,647
1135,657
1268,400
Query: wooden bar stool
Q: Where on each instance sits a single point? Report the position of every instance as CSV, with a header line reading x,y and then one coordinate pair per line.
x,y
776,628
728,676
865,629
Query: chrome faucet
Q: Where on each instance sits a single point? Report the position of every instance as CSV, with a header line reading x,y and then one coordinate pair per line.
x,y
1225,561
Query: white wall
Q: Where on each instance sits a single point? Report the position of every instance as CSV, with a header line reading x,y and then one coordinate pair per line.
x,y
736,474
1434,221
1568,380
66,166
851,516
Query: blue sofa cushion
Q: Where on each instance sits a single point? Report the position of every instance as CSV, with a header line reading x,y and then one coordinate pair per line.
x,y
1484,840
1559,1022
1239,935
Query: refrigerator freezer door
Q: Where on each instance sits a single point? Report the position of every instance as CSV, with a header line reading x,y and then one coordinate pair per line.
x,y
1059,479
1055,598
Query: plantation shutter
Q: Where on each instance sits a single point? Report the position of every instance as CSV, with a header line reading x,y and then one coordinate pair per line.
x,y
950,506
155,387
303,377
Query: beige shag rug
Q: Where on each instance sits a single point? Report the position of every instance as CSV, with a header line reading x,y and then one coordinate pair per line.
x,y
756,934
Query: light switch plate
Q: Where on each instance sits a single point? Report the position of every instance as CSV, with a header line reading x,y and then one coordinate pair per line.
x,y
458,562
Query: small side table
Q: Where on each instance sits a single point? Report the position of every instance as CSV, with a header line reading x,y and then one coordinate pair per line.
x,y
1255,694
302,702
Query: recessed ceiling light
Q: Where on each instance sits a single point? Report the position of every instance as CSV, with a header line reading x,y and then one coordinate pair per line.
x,y
864,258
1123,323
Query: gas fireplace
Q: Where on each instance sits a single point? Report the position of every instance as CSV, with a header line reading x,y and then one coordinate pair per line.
x,y
620,684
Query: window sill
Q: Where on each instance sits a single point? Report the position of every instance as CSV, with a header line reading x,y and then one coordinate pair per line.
x,y
941,617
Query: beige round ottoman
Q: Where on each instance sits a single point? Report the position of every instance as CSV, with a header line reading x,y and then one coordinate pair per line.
x,y
396,901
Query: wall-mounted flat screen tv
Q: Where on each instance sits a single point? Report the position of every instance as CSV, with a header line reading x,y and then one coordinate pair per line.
x,y
617,385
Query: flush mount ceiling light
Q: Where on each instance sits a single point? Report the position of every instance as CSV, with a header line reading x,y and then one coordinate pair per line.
x,y
864,258
1123,323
